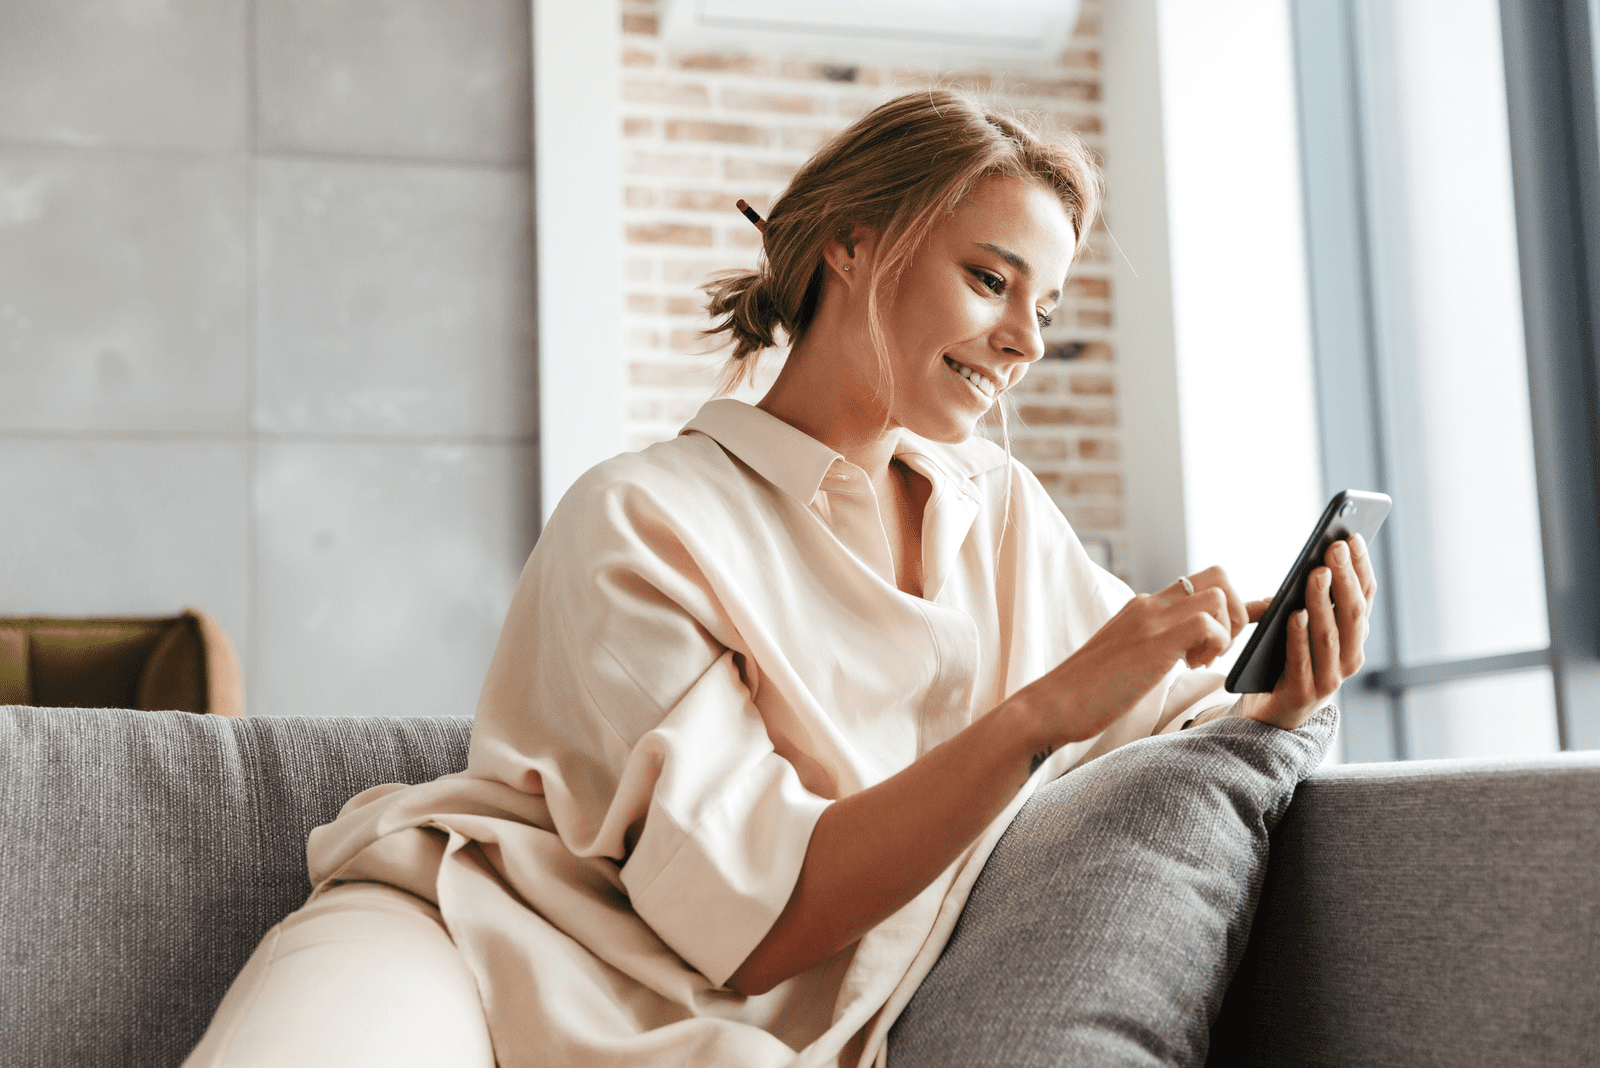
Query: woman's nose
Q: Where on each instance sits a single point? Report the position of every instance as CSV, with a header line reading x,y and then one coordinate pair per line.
x,y
1019,337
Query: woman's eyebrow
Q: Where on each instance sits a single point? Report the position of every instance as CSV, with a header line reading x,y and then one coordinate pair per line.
x,y
1023,267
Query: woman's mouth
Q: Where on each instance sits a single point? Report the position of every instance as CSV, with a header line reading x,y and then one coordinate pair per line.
x,y
982,384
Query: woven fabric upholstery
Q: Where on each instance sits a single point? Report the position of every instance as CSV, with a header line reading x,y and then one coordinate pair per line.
x,y
1433,913
1107,922
144,854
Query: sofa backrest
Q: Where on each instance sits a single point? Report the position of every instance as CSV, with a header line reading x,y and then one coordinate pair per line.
x,y
1431,913
144,854
1439,912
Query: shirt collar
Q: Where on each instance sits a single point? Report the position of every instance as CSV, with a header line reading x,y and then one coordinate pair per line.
x,y
790,459
797,463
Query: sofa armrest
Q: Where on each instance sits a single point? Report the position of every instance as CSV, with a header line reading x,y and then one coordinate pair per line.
x,y
144,854
1427,913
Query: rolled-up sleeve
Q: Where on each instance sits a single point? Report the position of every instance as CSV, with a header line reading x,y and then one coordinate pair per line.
x,y
642,735
727,827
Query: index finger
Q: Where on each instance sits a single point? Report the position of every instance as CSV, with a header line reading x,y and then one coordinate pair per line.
x,y
1215,578
1361,560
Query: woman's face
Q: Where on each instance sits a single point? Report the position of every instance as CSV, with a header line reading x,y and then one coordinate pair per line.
x,y
965,322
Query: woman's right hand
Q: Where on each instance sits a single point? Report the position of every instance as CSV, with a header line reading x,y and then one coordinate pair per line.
x,y
1128,656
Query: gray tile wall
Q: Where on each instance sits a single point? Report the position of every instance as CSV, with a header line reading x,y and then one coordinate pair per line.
x,y
266,333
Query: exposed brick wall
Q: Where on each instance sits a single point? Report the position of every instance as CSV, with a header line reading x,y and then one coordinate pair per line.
x,y
702,129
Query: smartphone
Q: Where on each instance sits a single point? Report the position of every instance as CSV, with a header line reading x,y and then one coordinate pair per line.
x,y
1350,512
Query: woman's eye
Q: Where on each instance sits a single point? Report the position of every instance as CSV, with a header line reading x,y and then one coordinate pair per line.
x,y
1045,319
989,280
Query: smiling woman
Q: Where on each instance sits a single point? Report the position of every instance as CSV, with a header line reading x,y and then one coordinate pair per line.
x,y
893,278
770,694
970,301
962,324
876,177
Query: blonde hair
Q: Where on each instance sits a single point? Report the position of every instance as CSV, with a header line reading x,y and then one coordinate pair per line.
x,y
897,169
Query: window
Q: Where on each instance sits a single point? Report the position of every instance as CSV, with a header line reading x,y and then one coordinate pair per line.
x,y
1453,240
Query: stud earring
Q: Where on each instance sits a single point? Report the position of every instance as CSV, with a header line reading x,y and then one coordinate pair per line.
x,y
847,266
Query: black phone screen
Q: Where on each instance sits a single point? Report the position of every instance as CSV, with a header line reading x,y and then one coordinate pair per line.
x,y
1261,664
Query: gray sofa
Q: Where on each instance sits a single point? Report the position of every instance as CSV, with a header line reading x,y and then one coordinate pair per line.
x,y
1441,913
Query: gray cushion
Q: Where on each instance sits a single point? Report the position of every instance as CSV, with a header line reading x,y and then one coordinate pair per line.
x,y
1430,913
144,854
1107,922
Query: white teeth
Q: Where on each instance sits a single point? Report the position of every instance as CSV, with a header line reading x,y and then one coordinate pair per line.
x,y
984,385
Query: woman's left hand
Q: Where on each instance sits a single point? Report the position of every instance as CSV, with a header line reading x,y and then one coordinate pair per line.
x,y
1325,637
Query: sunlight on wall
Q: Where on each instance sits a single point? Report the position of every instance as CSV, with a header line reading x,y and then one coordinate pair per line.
x,y
1252,479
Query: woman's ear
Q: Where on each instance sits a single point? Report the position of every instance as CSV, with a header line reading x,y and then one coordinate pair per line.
x,y
850,251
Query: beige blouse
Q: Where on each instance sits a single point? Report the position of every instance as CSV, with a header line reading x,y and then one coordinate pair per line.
x,y
706,648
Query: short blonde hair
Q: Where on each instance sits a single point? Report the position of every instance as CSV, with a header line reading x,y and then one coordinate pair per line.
x,y
896,170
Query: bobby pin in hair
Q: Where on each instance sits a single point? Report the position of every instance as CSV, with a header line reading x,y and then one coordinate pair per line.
x,y
751,214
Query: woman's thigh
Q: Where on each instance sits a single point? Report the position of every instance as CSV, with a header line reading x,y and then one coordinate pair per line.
x,y
364,975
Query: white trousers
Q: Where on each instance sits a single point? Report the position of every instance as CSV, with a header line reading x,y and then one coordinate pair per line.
x,y
364,975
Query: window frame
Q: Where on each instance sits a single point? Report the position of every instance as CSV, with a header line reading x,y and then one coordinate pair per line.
x,y
1552,101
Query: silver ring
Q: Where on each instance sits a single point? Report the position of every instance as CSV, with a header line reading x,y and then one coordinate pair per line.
x,y
1183,580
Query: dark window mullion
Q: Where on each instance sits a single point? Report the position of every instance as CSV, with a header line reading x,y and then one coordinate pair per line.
x,y
1550,92
1400,678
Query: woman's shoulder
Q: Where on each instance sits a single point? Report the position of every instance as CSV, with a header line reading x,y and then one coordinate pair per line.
x,y
647,493
687,465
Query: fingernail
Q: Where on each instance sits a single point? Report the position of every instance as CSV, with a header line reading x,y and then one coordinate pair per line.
x,y
1341,553
1324,577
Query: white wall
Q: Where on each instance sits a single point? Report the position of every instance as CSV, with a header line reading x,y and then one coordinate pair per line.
x,y
1215,341
1252,473
266,333
577,181
1136,215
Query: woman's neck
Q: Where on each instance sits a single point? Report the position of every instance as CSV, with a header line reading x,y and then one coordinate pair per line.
x,y
825,390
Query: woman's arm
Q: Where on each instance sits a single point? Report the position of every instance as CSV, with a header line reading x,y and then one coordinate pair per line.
x,y
872,852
